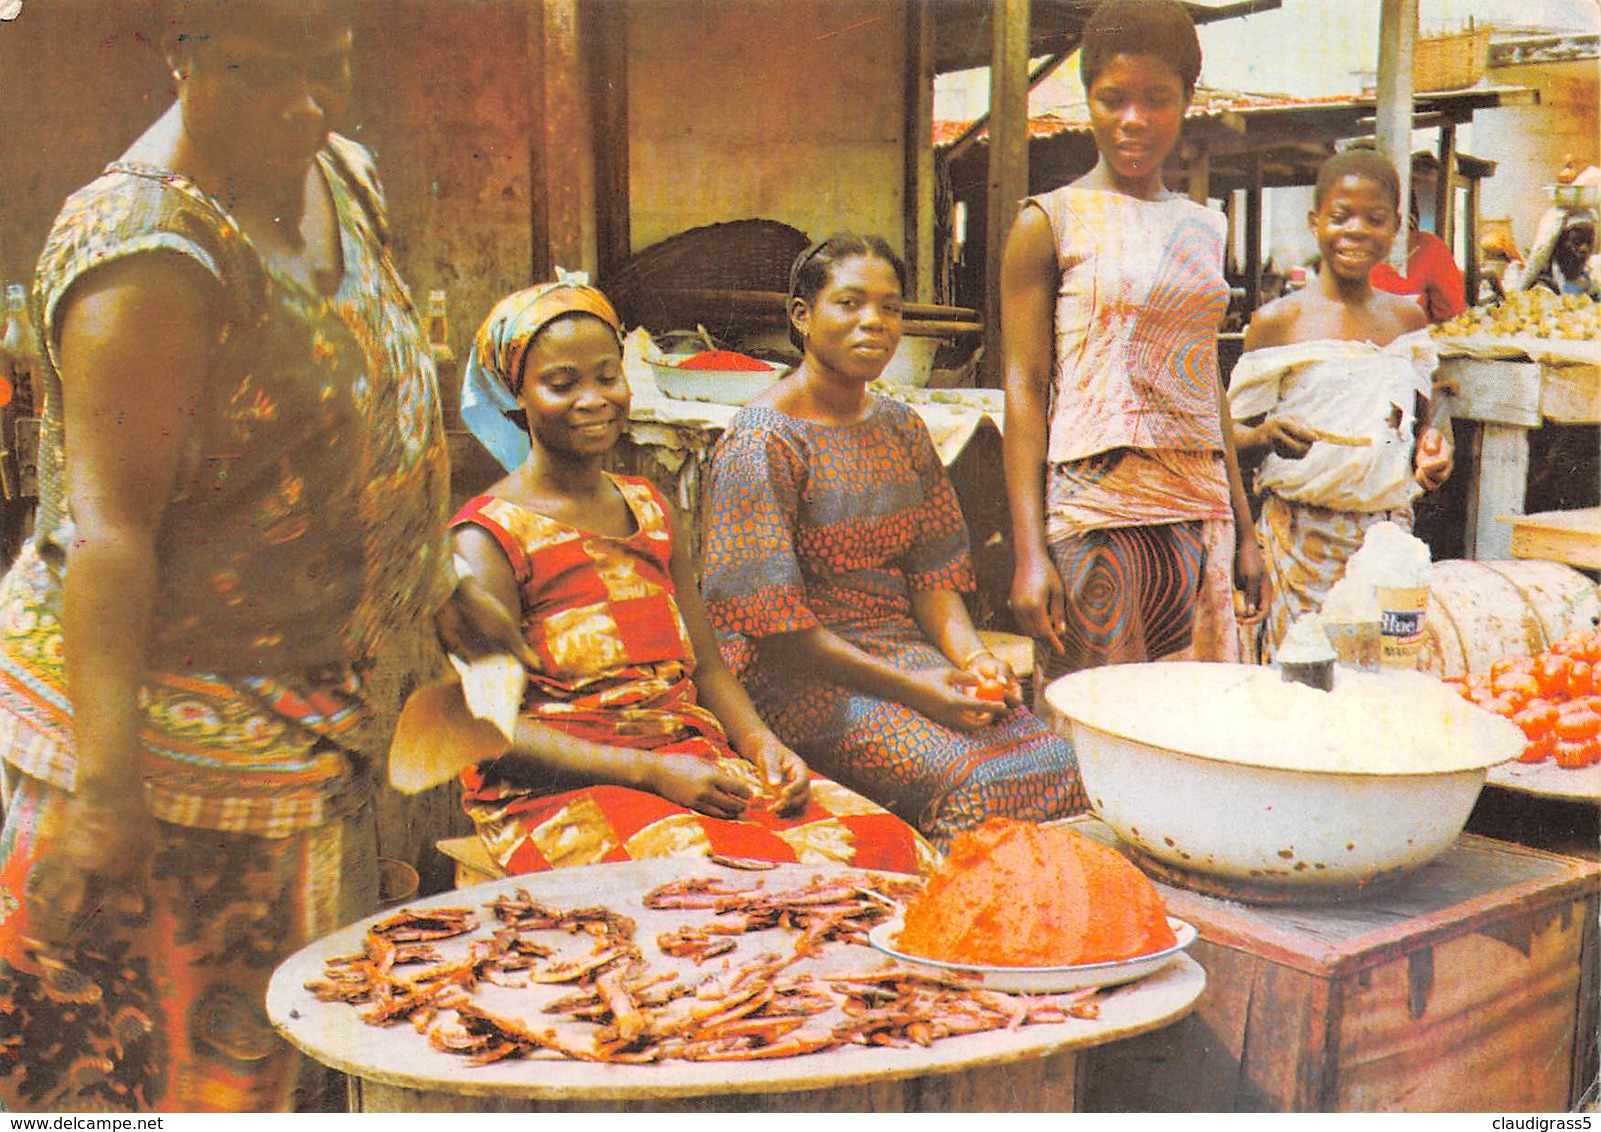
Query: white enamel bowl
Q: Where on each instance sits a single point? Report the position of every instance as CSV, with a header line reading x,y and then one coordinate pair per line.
x,y
1163,788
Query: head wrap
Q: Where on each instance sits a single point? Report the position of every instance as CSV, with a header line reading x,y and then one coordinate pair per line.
x,y
1552,225
494,368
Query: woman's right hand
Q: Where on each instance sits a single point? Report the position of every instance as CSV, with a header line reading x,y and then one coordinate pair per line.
x,y
1038,601
1288,437
95,846
946,695
698,784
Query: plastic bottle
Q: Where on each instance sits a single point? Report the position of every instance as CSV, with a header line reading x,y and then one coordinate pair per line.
x,y
21,371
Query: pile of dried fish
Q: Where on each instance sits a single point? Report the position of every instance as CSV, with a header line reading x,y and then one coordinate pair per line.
x,y
758,1010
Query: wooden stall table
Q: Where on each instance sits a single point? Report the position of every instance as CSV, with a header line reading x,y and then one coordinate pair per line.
x,y
1510,386
395,1069
1469,985
1570,537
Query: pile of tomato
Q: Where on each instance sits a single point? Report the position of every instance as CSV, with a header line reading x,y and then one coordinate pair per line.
x,y
1554,697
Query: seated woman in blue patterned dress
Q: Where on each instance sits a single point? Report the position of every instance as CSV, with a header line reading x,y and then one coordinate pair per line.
x,y
836,558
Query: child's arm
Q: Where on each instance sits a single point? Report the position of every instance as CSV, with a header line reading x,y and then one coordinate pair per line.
x,y
1285,436
781,769
540,751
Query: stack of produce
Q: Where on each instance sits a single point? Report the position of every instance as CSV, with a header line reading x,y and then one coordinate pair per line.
x,y
1554,697
1535,313
1016,894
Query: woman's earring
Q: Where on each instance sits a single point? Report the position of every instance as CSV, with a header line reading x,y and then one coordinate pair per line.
x,y
177,75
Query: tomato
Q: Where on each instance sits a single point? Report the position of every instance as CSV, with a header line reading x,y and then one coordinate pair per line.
x,y
992,690
1511,664
1551,673
1538,750
1581,678
1575,755
1536,719
1501,706
1516,685
1574,642
1576,724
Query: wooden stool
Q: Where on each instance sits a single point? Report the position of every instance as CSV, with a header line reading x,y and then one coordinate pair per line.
x,y
474,865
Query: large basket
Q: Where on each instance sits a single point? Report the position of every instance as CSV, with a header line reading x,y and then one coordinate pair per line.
x,y
1450,62
737,255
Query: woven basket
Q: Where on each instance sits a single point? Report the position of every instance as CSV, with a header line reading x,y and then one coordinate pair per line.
x,y
1450,62
739,255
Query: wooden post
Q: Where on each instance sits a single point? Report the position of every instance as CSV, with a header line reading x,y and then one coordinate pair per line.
x,y
606,40
1398,31
1445,188
1497,490
1200,175
1253,234
565,172
1008,160
920,190
1471,267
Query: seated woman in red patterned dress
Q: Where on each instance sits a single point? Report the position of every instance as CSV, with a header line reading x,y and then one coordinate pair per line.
x,y
836,557
633,738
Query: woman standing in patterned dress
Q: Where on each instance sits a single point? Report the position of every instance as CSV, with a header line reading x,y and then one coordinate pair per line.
x,y
836,557
1129,520
244,490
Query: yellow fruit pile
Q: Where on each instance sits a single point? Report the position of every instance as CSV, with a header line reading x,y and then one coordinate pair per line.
x,y
1535,313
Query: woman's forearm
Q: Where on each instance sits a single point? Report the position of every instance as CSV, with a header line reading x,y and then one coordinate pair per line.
x,y
1237,498
943,617
540,751
111,582
819,652
1023,463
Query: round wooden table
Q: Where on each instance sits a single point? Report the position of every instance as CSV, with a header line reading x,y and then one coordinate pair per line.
x,y
394,1069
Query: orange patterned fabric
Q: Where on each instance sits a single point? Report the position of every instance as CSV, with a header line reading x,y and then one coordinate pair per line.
x,y
616,668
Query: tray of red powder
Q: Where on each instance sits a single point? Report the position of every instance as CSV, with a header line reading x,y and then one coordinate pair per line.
x,y
1023,907
1042,980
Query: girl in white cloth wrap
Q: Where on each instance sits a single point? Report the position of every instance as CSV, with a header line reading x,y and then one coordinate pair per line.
x,y
1332,396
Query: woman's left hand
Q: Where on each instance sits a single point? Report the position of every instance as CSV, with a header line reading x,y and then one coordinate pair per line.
x,y
1433,459
474,623
996,680
783,773
1250,578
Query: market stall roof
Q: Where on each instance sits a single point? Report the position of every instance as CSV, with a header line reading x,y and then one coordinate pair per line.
x,y
963,37
1289,136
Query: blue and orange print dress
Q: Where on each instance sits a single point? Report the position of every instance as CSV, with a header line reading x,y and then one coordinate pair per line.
x,y
837,526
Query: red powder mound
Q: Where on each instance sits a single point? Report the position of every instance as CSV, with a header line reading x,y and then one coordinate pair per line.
x,y
1015,894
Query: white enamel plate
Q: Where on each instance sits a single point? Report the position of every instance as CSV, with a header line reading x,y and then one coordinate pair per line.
x,y
1042,980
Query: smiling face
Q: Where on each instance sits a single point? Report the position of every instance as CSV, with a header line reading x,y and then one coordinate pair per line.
x,y
853,325
573,388
1137,105
1573,248
260,93
1355,225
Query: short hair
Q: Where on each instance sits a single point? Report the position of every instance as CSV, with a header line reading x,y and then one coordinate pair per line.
x,y
186,24
813,268
1368,164
1162,28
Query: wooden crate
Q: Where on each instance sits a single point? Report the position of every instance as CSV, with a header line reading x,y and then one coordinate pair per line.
x,y
1573,537
1470,986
